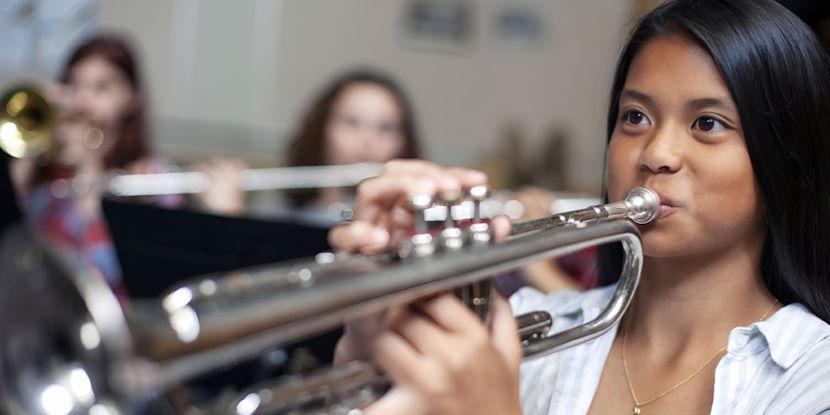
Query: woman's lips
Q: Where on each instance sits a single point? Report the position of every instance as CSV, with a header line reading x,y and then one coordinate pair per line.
x,y
667,205
666,210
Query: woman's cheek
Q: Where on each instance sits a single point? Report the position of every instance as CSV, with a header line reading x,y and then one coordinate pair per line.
x,y
620,178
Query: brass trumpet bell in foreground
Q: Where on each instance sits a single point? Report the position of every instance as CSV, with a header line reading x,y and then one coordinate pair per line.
x,y
26,121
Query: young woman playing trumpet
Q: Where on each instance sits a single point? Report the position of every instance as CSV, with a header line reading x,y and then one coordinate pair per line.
x,y
723,108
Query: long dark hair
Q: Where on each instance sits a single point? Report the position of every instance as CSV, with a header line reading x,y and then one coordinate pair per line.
x,y
133,143
779,76
308,144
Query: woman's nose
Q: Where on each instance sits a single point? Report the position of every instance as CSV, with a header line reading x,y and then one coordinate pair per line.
x,y
82,98
371,134
663,152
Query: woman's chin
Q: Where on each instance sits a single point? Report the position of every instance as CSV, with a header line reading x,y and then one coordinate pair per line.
x,y
660,243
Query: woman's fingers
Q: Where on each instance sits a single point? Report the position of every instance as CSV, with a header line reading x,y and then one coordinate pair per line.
x,y
402,179
399,400
359,236
377,196
401,360
505,333
448,311
469,177
421,332
501,227
442,359
382,202
363,236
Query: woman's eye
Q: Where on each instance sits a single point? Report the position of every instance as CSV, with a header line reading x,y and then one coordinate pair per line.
x,y
351,122
635,117
102,86
388,128
709,124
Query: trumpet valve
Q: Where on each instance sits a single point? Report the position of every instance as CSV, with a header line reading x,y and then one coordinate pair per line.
x,y
452,237
421,242
479,231
478,194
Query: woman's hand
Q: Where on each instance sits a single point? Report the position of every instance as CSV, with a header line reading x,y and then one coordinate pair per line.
x,y
381,216
382,219
224,194
441,357
21,173
443,360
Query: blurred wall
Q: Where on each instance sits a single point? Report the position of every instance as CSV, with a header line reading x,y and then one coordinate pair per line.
x,y
232,77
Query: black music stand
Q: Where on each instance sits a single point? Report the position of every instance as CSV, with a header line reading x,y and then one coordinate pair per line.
x,y
159,247
9,211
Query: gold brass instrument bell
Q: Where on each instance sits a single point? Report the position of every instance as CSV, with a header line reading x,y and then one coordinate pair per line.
x,y
68,347
26,122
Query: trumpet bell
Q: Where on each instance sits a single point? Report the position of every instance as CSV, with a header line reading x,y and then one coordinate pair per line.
x,y
26,121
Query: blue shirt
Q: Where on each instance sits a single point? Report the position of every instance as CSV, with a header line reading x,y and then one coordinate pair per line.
x,y
777,366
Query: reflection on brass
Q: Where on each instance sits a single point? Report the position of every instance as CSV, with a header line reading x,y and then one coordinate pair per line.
x,y
26,122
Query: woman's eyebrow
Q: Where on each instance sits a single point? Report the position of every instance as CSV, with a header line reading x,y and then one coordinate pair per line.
x,y
638,96
695,104
700,103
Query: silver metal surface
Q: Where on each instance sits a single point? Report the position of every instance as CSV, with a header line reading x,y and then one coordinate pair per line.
x,y
641,205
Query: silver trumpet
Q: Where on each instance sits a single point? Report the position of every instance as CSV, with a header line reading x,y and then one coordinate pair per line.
x,y
67,346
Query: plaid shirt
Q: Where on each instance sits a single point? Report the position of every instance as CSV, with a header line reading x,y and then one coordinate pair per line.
x,y
64,226
67,228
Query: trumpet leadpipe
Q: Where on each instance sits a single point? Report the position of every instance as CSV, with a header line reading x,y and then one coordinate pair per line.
x,y
641,206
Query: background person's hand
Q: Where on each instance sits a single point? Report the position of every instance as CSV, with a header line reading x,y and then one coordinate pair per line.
x,y
224,194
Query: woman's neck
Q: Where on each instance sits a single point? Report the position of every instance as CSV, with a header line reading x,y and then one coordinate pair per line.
x,y
697,301
92,167
89,202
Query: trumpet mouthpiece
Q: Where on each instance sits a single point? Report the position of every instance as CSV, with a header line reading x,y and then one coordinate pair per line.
x,y
646,204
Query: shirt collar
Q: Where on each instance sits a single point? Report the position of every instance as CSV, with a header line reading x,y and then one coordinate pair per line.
x,y
584,304
788,334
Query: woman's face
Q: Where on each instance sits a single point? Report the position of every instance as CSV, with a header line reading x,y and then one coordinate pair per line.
x,y
98,90
365,126
678,132
80,141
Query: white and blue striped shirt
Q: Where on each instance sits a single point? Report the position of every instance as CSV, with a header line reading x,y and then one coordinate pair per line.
x,y
777,366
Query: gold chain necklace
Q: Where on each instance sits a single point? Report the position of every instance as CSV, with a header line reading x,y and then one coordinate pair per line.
x,y
637,403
